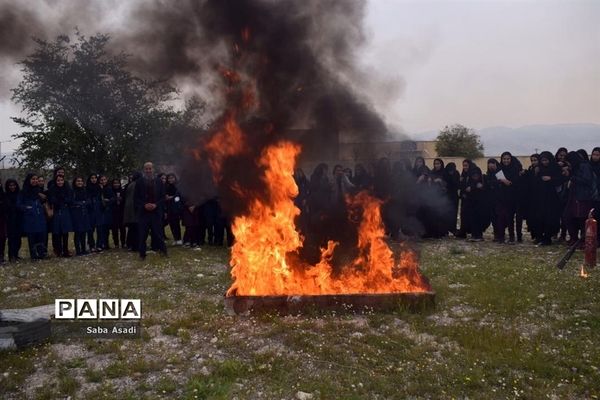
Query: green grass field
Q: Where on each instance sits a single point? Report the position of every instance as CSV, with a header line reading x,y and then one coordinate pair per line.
x,y
507,324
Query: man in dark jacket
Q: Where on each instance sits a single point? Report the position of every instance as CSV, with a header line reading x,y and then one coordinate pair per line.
x,y
149,199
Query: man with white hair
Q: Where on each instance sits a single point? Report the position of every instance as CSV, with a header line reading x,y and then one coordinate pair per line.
x,y
149,200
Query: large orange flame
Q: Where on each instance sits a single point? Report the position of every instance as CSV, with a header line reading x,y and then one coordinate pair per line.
x,y
263,261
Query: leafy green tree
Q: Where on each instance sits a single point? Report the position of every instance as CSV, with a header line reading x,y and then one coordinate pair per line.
x,y
84,111
458,141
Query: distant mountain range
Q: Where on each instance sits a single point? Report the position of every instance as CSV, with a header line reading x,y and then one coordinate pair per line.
x,y
526,139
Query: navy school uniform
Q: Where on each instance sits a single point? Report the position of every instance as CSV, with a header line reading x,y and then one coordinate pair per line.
x,y
80,215
34,221
107,199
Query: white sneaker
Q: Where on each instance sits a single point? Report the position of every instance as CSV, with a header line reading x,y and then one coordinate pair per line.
x,y
179,242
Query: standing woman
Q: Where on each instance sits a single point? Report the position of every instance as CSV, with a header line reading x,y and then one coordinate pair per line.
x,y
545,216
129,215
61,198
174,207
14,220
507,196
453,178
465,229
492,184
42,184
476,207
118,210
580,185
34,217
563,190
93,190
107,200
595,163
420,170
80,215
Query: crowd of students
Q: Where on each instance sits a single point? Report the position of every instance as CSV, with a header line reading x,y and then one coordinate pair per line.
x,y
554,195
91,210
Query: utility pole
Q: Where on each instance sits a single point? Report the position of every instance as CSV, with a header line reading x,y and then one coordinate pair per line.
x,y
3,157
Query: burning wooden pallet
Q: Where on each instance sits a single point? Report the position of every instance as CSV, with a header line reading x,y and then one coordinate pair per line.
x,y
302,304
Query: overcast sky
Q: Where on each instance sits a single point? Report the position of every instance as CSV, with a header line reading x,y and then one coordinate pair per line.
x,y
479,63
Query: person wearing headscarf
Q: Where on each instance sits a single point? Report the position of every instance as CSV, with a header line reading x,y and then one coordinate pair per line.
x,y
129,214
94,192
545,215
563,190
507,196
528,180
465,229
595,163
476,209
435,209
117,226
34,217
452,190
361,179
300,201
14,219
581,187
492,186
107,201
174,207
80,215
420,170
61,198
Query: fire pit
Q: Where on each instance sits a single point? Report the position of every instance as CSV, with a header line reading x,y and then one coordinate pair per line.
x,y
301,304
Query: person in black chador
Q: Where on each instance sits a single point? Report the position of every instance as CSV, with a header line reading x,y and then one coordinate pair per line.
x,y
80,215
149,203
452,190
529,204
118,210
595,163
492,186
581,194
361,179
435,211
107,200
61,198
14,220
94,192
464,230
34,218
507,196
174,205
301,200
476,209
545,216
563,190
129,214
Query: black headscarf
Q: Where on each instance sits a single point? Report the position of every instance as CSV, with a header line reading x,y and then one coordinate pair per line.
x,y
596,164
59,194
93,189
493,161
171,189
575,159
30,192
552,169
420,170
511,171
560,150
79,193
584,155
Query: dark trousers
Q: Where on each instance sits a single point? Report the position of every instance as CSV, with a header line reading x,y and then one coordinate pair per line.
x,y
192,235
505,214
37,245
60,244
79,242
118,232
132,240
102,237
2,247
175,228
90,237
151,222
14,245
221,227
